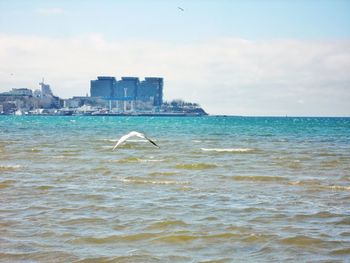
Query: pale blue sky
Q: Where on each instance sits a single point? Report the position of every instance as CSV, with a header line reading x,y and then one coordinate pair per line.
x,y
242,57
202,19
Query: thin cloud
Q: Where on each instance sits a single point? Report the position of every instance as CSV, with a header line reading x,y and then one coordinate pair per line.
x,y
50,11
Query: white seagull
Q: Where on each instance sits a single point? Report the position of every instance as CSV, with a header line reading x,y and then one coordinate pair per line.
x,y
131,134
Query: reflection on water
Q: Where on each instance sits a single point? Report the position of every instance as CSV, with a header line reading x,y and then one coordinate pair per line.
x,y
218,189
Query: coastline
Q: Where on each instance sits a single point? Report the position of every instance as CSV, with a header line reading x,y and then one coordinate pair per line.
x,y
117,114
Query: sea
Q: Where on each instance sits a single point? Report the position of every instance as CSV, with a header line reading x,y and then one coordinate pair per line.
x,y
219,189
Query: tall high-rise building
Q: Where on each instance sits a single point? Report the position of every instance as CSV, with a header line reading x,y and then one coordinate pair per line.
x,y
151,89
127,88
129,93
103,87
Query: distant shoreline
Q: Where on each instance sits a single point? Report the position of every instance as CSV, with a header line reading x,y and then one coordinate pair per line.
x,y
170,115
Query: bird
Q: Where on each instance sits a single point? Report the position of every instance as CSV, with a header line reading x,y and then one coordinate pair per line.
x,y
132,134
180,8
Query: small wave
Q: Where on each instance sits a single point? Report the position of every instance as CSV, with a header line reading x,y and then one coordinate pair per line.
x,y
151,160
167,224
196,166
69,154
162,173
345,221
257,238
317,186
322,214
177,239
143,181
330,164
114,238
45,187
35,150
84,220
7,142
131,258
66,157
42,256
305,241
259,178
305,182
187,238
6,183
252,209
128,160
94,197
9,167
60,157
326,154
138,160
209,218
337,187
185,188
343,251
232,150
101,170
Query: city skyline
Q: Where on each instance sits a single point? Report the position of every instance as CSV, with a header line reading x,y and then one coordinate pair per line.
x,y
232,57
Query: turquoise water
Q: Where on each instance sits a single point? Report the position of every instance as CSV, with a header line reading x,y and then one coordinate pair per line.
x,y
219,189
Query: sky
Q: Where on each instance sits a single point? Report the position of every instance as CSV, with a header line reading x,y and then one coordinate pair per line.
x,y
233,57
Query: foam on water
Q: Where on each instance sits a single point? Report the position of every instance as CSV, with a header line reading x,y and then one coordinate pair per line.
x,y
136,180
232,150
260,178
10,167
138,160
316,185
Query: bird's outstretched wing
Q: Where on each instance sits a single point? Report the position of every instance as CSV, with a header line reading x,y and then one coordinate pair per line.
x,y
123,139
131,134
151,141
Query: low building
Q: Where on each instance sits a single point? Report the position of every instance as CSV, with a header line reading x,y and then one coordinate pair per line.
x,y
78,101
21,92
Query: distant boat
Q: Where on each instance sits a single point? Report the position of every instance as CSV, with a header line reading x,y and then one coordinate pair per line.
x,y
19,113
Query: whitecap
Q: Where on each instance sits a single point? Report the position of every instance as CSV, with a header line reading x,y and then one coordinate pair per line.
x,y
338,187
9,167
143,181
151,160
237,150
